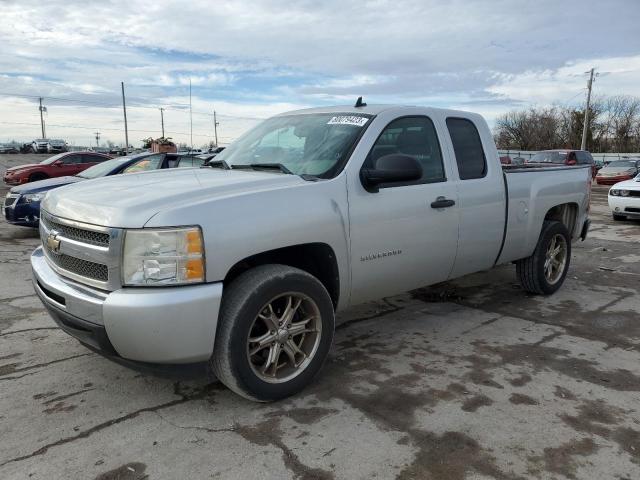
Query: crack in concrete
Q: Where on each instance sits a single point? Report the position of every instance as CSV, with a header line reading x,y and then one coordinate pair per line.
x,y
39,365
231,429
28,330
184,398
68,395
382,313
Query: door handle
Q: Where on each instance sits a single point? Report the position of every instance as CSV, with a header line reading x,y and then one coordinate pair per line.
x,y
442,202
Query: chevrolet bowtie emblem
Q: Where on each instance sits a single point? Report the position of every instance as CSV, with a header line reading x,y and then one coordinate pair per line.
x,y
52,241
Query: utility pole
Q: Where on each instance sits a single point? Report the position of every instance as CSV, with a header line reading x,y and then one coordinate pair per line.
x,y
162,120
215,127
97,139
585,127
126,129
42,109
190,115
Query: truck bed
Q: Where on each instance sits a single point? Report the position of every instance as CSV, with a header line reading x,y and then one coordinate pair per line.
x,y
532,195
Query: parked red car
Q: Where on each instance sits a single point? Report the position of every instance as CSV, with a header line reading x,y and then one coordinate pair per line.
x,y
63,164
566,157
618,171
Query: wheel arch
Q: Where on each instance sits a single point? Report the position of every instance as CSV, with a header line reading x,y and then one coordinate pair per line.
x,y
317,259
567,214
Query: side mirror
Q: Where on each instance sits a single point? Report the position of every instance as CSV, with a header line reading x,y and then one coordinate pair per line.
x,y
396,167
58,163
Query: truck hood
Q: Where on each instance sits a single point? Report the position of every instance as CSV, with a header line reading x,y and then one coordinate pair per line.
x,y
45,185
129,201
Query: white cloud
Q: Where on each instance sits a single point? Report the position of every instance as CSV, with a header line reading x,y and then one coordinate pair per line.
x,y
617,76
263,56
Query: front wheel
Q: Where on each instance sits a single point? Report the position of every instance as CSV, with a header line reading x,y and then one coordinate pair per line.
x,y
275,329
544,271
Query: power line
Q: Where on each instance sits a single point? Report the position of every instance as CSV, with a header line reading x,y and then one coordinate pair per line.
x,y
168,106
208,135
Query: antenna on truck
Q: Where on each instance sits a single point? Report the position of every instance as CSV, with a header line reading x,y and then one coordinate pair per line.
x,y
360,103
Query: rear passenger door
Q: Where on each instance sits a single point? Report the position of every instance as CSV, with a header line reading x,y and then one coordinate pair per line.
x,y
481,196
399,241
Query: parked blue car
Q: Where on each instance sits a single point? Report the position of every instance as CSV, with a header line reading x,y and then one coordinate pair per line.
x,y
22,203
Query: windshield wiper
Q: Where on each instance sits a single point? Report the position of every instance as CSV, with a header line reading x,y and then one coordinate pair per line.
x,y
218,164
263,166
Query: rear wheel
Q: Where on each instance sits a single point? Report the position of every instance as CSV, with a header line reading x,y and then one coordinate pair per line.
x,y
275,329
544,271
619,217
34,177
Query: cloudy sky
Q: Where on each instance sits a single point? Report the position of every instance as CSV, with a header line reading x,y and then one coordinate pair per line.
x,y
250,59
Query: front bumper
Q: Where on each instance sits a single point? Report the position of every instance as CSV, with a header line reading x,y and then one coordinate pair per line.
x,y
612,180
627,206
13,179
23,214
165,325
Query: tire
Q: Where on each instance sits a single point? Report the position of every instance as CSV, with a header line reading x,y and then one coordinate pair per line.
x,y
34,177
531,271
265,290
618,217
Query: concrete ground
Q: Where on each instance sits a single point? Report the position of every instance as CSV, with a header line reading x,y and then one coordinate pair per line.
x,y
473,379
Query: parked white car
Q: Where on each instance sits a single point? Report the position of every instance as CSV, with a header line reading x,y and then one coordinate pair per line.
x,y
624,199
40,145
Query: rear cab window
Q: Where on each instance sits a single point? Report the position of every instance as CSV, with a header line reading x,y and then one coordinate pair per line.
x,y
467,146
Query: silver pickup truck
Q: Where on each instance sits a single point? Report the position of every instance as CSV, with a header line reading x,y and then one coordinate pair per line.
x,y
244,263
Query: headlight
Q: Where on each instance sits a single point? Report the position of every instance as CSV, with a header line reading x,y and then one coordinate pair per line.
x,y
33,197
614,193
624,193
172,256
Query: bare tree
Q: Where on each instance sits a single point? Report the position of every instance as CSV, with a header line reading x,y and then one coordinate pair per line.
x,y
614,126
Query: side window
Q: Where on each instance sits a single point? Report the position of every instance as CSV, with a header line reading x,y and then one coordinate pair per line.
x,y
92,158
72,159
467,146
148,163
414,136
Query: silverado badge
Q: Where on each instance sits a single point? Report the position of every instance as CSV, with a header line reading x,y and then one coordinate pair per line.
x,y
52,241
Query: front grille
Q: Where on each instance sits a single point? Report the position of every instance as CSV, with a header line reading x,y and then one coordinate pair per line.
x,y
84,268
632,209
634,193
85,236
8,201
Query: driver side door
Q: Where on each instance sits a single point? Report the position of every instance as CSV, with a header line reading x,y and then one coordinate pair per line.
x,y
400,239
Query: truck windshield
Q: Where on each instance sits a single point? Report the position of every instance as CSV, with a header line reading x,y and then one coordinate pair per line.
x,y
307,144
549,157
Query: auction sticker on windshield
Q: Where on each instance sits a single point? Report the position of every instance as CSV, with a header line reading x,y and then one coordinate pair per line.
x,y
348,120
